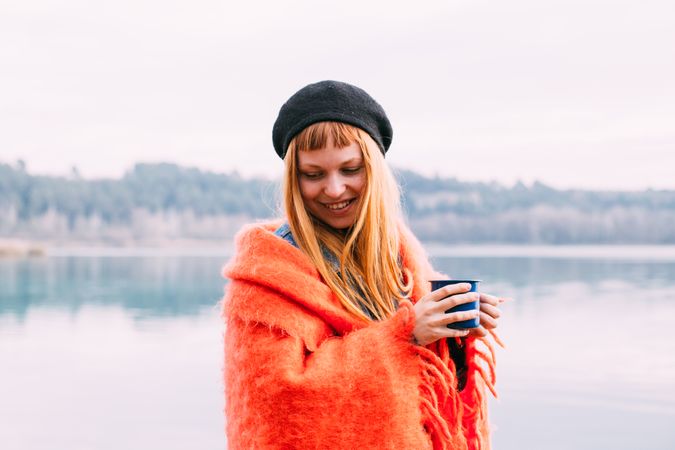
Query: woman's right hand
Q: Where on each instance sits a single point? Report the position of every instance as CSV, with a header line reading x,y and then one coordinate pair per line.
x,y
431,319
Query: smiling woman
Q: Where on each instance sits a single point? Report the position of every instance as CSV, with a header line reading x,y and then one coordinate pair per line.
x,y
333,338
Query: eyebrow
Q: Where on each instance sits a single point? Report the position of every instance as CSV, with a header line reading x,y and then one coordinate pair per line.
x,y
344,163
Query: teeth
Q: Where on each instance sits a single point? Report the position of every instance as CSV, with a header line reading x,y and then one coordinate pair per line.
x,y
338,205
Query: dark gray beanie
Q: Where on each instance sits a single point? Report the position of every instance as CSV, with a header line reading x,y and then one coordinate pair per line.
x,y
331,101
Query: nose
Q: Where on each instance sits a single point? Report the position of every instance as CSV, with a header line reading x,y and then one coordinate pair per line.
x,y
335,186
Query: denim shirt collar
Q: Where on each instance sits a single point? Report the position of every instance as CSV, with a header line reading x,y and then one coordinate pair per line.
x,y
284,232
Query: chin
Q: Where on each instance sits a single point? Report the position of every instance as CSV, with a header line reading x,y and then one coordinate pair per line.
x,y
339,224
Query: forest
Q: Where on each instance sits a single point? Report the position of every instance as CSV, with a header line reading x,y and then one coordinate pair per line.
x,y
168,201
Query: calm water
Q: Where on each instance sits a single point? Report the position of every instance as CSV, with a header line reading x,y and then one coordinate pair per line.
x,y
125,352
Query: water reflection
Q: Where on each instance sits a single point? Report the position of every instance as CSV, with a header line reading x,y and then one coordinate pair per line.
x,y
150,286
552,271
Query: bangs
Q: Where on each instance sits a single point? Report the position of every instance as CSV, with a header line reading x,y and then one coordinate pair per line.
x,y
318,135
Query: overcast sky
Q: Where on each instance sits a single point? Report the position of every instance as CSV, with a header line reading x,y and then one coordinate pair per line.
x,y
572,93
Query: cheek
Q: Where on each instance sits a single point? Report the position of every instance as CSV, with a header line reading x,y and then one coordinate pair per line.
x,y
308,191
359,183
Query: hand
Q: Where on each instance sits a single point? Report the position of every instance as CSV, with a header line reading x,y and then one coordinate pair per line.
x,y
431,319
489,313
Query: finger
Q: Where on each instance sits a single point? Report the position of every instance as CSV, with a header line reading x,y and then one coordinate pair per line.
x,y
479,331
489,299
457,299
491,310
453,332
459,316
488,321
448,290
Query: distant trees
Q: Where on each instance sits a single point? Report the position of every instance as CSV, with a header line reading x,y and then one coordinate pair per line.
x,y
447,210
169,201
151,200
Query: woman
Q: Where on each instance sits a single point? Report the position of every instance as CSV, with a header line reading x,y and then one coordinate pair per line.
x,y
332,338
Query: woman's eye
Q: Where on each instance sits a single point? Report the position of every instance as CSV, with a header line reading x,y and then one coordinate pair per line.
x,y
312,175
352,170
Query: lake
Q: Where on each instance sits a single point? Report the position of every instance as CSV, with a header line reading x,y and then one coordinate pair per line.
x,y
108,349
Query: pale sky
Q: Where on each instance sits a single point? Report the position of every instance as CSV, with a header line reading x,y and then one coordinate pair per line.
x,y
572,93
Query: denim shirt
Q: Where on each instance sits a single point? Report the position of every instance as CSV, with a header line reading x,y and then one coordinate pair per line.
x,y
284,232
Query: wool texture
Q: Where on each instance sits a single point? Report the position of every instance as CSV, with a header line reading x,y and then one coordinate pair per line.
x,y
302,373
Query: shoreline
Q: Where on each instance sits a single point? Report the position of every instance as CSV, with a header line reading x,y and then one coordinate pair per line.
x,y
18,248
23,248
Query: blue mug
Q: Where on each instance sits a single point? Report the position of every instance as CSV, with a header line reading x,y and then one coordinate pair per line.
x,y
471,323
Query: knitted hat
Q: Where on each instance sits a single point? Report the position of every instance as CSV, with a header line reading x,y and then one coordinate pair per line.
x,y
330,101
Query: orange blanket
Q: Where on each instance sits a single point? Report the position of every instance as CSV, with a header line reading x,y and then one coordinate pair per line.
x,y
301,373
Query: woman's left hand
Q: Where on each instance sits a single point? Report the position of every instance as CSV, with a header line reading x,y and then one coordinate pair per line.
x,y
489,313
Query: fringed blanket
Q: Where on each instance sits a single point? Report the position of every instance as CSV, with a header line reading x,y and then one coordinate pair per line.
x,y
302,373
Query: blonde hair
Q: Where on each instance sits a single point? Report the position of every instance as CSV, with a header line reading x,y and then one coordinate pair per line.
x,y
369,251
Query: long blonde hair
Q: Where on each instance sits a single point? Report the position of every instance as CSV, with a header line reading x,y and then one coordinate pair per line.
x,y
369,251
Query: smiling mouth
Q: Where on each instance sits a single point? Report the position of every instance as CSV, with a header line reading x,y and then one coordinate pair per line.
x,y
338,206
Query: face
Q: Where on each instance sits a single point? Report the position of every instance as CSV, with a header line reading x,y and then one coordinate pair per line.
x,y
331,180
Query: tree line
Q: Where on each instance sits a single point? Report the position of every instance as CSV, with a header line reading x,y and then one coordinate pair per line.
x,y
171,201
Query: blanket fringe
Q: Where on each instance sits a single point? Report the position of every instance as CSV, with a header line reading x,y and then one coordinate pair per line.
x,y
457,419
491,367
496,338
439,399
474,397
